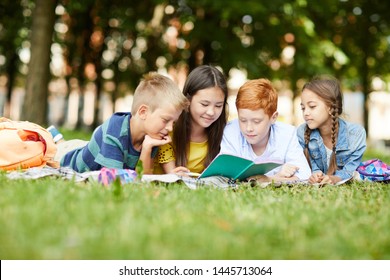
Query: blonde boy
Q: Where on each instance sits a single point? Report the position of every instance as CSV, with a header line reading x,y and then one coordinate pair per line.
x,y
125,138
256,135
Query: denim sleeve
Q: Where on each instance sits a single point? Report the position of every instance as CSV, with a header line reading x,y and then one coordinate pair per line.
x,y
300,134
358,147
314,166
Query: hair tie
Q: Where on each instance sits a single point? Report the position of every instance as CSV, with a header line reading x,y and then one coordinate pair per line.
x,y
334,149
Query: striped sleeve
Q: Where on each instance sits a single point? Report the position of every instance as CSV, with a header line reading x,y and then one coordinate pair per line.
x,y
108,147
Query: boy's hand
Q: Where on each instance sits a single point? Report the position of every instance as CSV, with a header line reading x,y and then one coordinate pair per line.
x,y
287,171
146,151
153,142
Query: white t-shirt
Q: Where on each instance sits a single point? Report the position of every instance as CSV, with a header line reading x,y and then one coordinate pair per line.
x,y
328,154
283,146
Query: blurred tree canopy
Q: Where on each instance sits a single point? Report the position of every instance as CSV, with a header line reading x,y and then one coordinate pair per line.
x,y
112,43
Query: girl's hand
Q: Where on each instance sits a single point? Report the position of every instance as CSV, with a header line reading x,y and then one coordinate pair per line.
x,y
180,170
316,177
287,171
330,179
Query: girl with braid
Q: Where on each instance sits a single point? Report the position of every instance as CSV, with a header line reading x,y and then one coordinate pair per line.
x,y
332,146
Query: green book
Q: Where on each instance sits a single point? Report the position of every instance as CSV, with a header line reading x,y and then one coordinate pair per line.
x,y
236,167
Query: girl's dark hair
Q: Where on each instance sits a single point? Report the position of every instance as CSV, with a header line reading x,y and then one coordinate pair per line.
x,y
329,90
202,77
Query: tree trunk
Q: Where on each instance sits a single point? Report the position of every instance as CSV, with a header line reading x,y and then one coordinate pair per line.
x,y
11,70
85,58
35,103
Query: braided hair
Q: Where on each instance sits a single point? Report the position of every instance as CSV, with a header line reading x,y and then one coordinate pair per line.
x,y
329,90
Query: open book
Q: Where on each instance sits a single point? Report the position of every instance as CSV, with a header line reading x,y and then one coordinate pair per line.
x,y
237,168
223,171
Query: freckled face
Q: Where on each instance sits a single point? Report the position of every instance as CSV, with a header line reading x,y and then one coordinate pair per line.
x,y
314,110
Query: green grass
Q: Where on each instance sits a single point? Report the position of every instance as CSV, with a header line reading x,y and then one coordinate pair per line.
x,y
56,219
75,134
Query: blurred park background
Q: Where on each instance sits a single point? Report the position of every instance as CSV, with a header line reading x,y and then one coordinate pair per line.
x,y
73,63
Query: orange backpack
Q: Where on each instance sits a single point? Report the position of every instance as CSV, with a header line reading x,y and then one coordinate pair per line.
x,y
24,144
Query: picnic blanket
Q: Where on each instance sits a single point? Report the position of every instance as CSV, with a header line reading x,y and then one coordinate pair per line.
x,y
61,172
106,176
190,182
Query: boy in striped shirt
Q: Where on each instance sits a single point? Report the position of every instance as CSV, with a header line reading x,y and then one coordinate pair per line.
x,y
125,138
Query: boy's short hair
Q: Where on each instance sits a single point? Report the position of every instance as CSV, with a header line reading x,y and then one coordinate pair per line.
x,y
156,90
257,94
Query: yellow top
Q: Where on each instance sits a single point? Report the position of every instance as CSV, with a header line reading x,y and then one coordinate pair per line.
x,y
197,156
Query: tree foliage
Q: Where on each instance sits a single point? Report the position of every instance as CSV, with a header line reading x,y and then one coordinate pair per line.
x,y
113,43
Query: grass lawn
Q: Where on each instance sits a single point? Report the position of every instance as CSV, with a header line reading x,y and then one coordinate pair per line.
x,y
56,219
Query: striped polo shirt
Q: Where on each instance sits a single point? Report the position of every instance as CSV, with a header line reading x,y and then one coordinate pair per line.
x,y
110,146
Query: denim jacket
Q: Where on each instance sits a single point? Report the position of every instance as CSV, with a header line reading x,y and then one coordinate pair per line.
x,y
351,144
